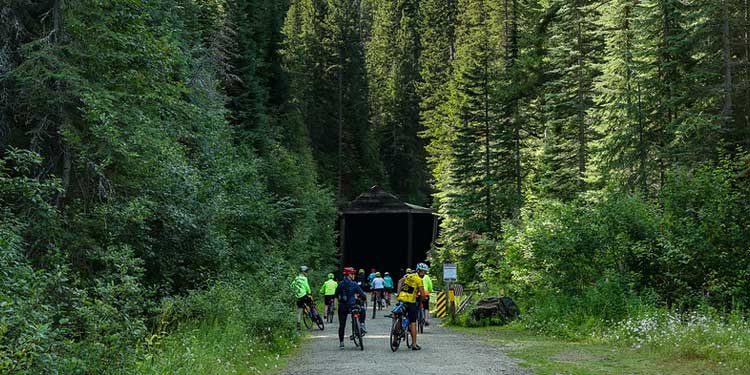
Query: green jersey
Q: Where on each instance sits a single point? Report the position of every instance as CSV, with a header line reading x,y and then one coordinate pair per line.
x,y
329,288
427,283
301,286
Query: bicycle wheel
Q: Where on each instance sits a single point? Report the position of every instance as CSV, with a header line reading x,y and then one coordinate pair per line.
x,y
318,320
357,333
395,339
420,322
329,313
306,318
374,304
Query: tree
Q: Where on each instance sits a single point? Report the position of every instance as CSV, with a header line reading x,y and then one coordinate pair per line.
x,y
393,75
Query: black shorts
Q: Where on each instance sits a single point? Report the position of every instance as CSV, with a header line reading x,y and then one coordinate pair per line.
x,y
329,299
301,302
411,311
426,302
378,291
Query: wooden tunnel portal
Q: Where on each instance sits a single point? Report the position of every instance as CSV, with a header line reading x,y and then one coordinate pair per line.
x,y
378,230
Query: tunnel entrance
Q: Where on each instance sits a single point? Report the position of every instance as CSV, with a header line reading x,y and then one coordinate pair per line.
x,y
380,231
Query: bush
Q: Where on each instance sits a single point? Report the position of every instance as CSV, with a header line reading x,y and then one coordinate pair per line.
x,y
240,322
700,334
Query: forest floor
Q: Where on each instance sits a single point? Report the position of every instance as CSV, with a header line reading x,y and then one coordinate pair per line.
x,y
444,351
551,356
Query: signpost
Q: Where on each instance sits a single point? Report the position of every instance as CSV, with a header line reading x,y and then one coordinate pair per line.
x,y
450,272
450,275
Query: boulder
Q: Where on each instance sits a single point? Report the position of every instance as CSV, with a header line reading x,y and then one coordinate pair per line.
x,y
493,307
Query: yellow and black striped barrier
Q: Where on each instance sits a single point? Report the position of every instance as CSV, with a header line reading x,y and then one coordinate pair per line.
x,y
441,305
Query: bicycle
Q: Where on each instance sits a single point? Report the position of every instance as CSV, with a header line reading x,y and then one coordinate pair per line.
x,y
330,311
311,314
400,327
357,333
377,303
420,318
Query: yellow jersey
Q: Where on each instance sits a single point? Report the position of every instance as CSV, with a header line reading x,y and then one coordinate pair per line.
x,y
408,292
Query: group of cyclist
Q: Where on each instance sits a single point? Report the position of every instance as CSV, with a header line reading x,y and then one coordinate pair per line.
x,y
413,290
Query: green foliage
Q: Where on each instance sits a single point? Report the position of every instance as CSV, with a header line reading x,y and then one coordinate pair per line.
x,y
140,188
236,325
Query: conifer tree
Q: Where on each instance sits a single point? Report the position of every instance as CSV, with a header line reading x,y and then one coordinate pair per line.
x,y
437,31
574,51
331,92
393,71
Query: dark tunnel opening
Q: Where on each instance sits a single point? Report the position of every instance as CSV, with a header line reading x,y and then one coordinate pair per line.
x,y
381,241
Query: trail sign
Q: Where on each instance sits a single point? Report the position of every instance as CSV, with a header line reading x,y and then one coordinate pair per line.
x,y
450,272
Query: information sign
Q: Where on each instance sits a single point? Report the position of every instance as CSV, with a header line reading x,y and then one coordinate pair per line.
x,y
450,272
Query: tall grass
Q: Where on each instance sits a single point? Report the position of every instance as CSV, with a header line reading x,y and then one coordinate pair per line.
x,y
239,326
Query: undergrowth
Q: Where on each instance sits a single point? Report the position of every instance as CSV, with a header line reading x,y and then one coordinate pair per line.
x,y
237,326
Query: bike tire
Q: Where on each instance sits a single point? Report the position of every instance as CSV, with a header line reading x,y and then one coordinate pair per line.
x,y
374,306
420,322
329,314
357,332
307,319
395,339
319,321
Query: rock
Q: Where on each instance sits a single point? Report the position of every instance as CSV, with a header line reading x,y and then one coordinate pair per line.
x,y
491,307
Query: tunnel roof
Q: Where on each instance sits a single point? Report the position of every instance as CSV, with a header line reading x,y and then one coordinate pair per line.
x,y
378,201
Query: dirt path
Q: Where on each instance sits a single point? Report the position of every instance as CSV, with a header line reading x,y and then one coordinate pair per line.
x,y
443,352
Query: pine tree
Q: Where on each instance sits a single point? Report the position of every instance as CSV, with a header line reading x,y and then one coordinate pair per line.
x,y
327,66
437,31
575,50
393,71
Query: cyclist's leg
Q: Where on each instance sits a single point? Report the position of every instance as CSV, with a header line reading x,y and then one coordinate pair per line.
x,y
300,307
411,312
426,307
343,315
362,318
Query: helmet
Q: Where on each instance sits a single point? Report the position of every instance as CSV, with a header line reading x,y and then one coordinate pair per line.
x,y
330,276
377,274
349,271
387,274
361,271
372,270
409,270
303,269
423,267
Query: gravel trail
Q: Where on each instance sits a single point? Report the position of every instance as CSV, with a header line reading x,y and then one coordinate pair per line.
x,y
443,352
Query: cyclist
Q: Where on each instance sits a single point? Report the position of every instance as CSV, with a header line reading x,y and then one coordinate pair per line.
x,y
328,290
362,279
378,287
401,280
413,287
427,283
371,276
347,292
302,292
388,288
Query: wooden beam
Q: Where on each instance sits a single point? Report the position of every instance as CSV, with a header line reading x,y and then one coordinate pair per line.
x,y
410,245
342,242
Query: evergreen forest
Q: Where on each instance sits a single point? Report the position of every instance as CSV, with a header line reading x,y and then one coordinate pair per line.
x,y
167,165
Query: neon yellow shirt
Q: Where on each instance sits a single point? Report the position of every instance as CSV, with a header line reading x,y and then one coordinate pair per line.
x,y
301,286
408,292
329,288
427,281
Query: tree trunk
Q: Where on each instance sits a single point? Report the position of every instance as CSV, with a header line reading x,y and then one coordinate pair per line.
x,y
728,90
340,155
580,118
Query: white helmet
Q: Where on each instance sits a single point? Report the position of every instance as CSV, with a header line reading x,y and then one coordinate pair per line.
x,y
303,269
423,267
